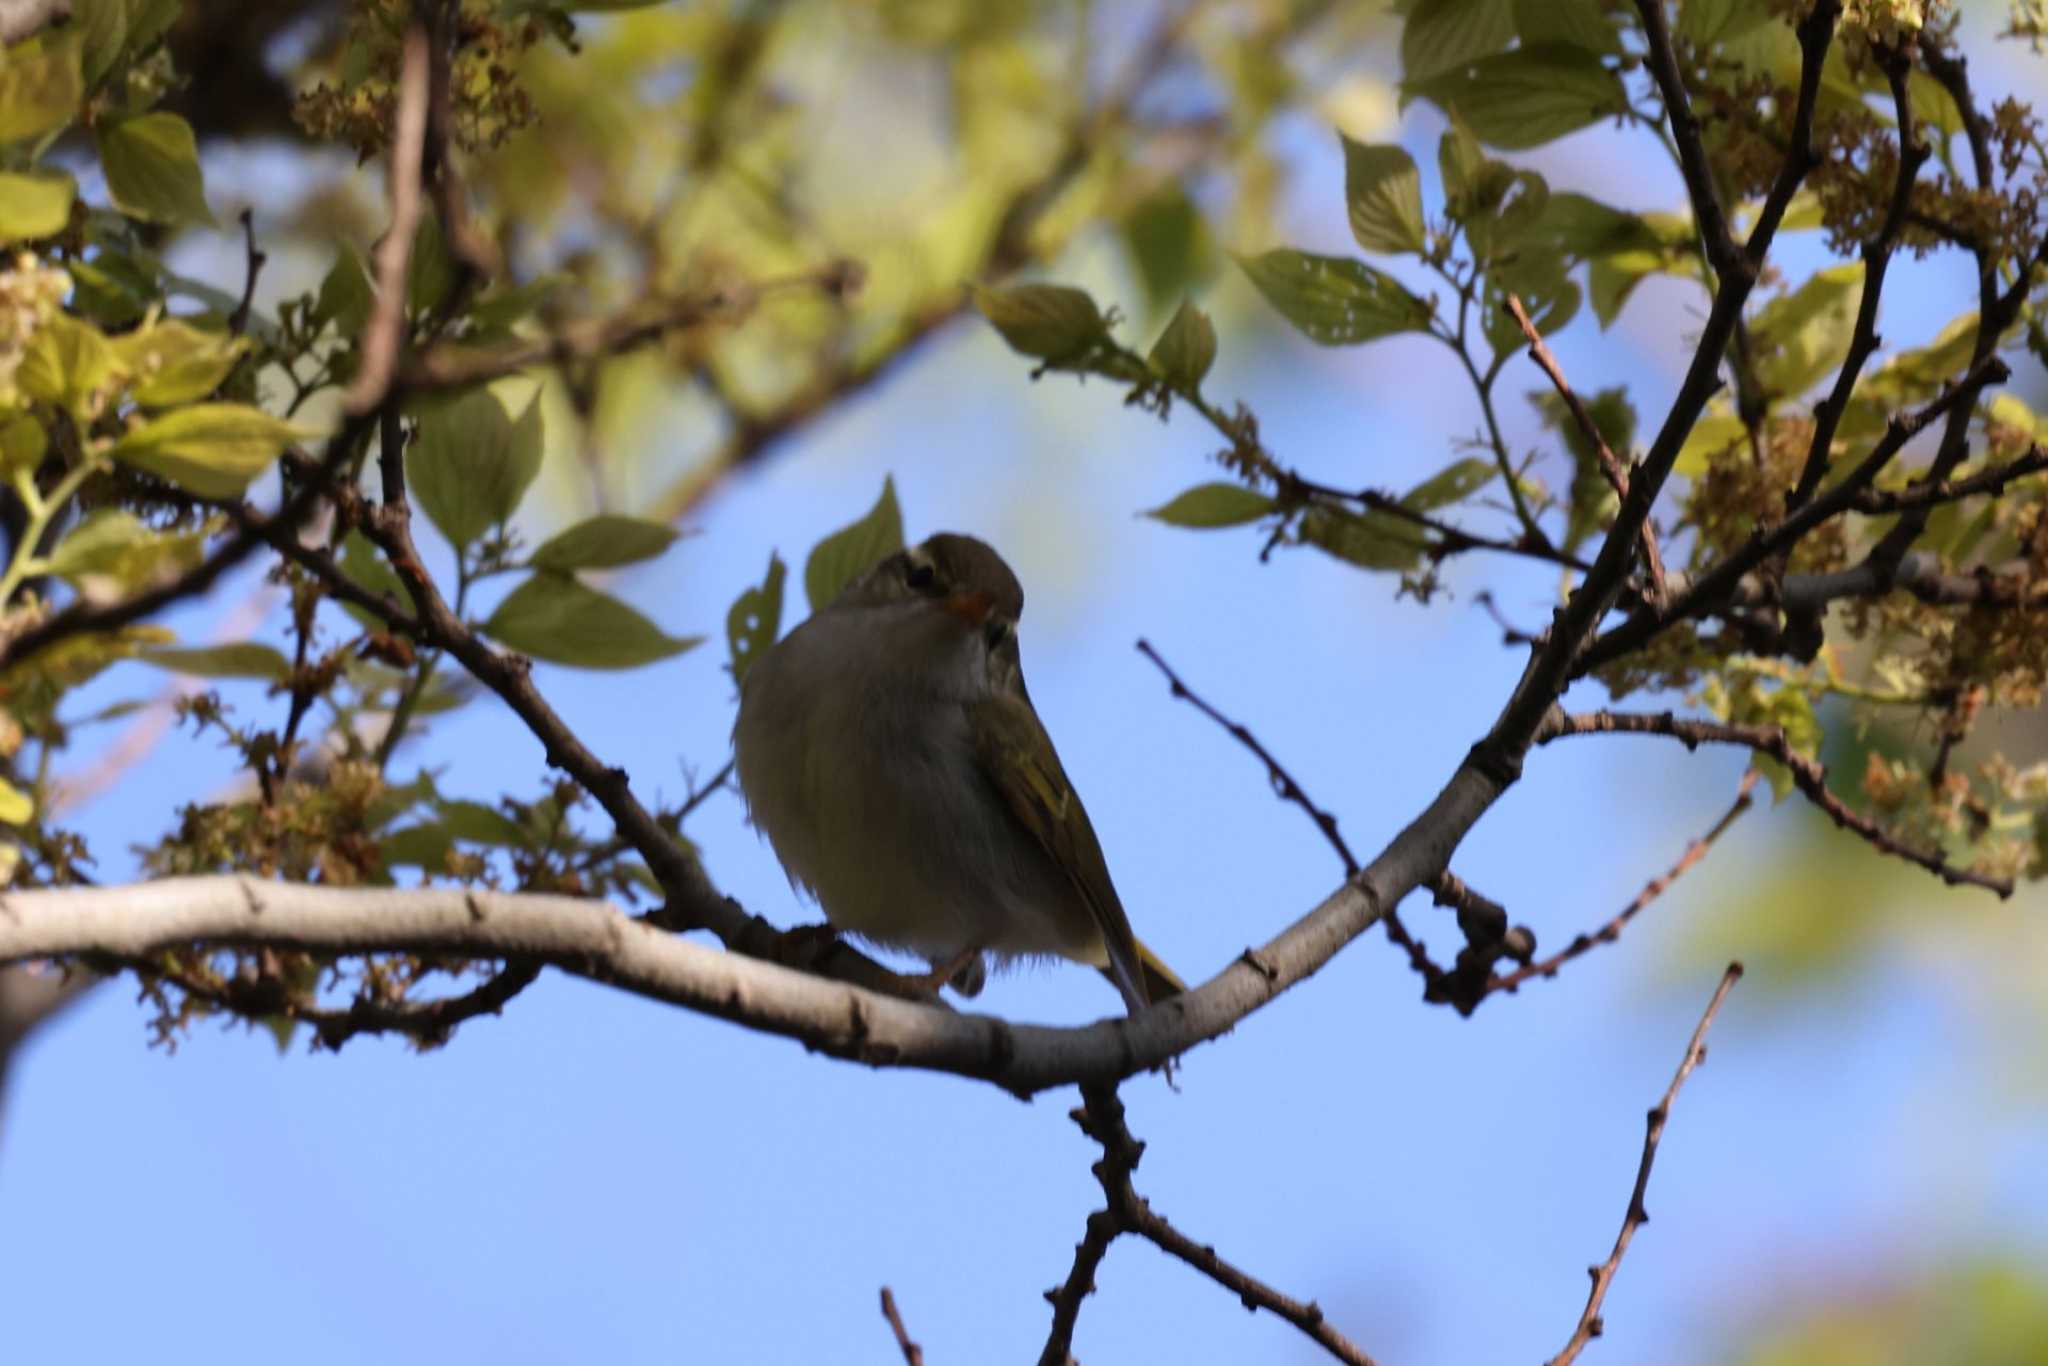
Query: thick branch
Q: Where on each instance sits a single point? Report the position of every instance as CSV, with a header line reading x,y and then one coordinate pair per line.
x,y
384,331
1589,1325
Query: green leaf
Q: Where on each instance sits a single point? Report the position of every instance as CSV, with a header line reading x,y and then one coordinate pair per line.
x,y
346,294
211,449
1804,335
755,619
430,270
1051,322
1169,245
41,86
472,463
1372,540
848,552
1186,349
1582,24
1335,300
1576,225
1503,206
103,32
68,363
16,806
152,167
113,543
1713,434
1447,33
1525,98
1551,298
417,846
553,617
174,362
603,542
1383,194
34,204
1213,505
1460,161
22,444
242,659
1454,483
480,824
1707,22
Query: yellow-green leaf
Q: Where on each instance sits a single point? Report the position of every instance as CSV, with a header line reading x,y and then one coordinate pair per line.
x,y
114,544
553,617
346,294
41,86
1335,300
844,555
240,659
174,362
1451,484
1446,33
603,542
34,204
1186,349
1208,506
152,167
22,443
1803,336
211,449
16,806
68,363
1383,193
1371,540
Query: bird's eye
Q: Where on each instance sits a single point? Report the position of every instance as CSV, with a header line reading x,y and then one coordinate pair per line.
x,y
919,576
996,631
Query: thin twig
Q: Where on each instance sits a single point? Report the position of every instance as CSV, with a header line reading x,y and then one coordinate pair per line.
x,y
238,320
913,1355
383,333
1101,1117
1656,887
1809,775
1589,1326
1610,464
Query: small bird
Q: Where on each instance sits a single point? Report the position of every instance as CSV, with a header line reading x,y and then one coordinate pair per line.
x,y
889,751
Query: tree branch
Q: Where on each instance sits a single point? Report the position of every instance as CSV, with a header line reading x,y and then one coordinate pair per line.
x,y
913,1355
1589,1326
384,330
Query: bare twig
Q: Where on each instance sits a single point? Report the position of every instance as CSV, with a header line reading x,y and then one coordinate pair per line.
x,y
1589,1325
913,1355
1656,887
383,333
1809,775
238,320
1610,465
1101,1117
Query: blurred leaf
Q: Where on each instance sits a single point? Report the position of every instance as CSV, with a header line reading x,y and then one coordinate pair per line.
x,y
1804,335
1707,22
1582,24
1460,160
113,543
480,824
211,449
1383,194
1372,540
1502,206
553,617
1447,33
1551,298
41,85
848,552
1709,437
755,619
346,294
1169,244
152,168
1213,505
424,846
604,541
103,32
366,567
16,806
1525,98
1453,483
242,659
1186,349
34,204
1580,226
1050,322
174,362
66,363
472,463
22,443
1335,300
430,270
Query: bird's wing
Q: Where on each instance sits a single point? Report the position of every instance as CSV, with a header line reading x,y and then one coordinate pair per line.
x,y
1017,755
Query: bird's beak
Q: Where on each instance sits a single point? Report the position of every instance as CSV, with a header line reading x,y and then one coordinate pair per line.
x,y
972,608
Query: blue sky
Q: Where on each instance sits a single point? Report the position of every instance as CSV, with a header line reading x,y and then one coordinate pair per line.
x,y
594,1177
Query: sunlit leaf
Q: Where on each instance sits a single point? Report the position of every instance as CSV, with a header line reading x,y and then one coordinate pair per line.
x,y
211,449
16,806
174,362
1050,322
1186,349
1804,335
67,362
22,444
848,552
34,204
113,543
41,85
553,617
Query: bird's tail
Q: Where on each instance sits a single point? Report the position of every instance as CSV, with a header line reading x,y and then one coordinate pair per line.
x,y
1160,981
